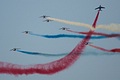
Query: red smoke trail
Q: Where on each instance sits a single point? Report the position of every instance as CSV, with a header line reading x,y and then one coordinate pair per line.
x,y
112,50
94,25
99,48
115,50
48,68
95,21
96,33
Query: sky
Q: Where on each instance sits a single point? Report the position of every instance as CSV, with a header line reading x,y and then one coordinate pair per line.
x,y
17,16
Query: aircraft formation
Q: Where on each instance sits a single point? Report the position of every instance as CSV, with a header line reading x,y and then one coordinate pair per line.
x,y
44,17
64,62
99,8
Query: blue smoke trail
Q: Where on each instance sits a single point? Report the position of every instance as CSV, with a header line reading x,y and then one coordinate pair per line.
x,y
42,54
67,36
64,54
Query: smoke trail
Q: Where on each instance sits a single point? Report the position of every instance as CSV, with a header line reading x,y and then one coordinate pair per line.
x,y
41,54
115,50
79,36
64,54
99,48
103,49
48,68
111,27
72,23
67,36
97,33
99,53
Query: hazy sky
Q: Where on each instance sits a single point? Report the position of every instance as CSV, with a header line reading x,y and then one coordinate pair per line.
x,y
17,16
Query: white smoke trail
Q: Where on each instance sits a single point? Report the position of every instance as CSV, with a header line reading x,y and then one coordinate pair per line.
x,y
72,23
111,27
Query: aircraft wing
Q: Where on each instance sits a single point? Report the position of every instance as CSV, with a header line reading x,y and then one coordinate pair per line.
x,y
102,7
96,8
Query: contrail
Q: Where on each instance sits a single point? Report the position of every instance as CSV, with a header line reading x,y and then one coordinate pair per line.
x,y
78,36
51,67
111,27
47,68
42,54
99,53
68,36
72,23
97,33
103,49
64,54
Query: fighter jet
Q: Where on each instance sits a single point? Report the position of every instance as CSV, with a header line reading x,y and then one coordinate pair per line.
x,y
26,32
14,49
44,16
47,20
87,43
99,8
64,28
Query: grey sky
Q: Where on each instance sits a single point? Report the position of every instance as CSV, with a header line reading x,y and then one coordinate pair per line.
x,y
17,16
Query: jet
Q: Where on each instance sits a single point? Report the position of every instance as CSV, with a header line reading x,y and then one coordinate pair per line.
x,y
64,28
87,43
44,16
26,32
14,49
47,20
99,8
